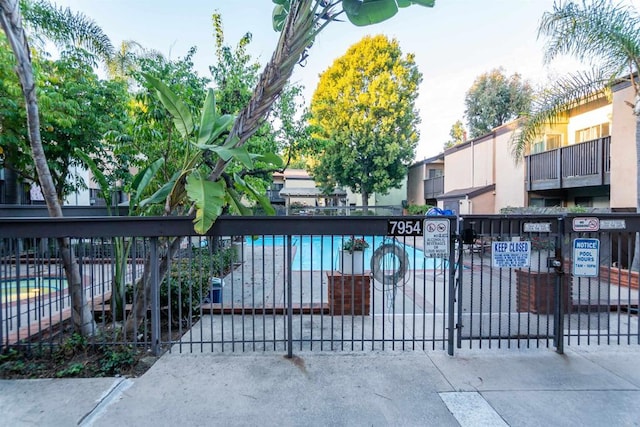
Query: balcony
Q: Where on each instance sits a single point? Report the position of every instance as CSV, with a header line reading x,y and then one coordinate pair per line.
x,y
433,187
580,165
274,196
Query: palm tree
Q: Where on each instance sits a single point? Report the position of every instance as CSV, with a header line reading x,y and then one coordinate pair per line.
x,y
75,30
65,28
603,34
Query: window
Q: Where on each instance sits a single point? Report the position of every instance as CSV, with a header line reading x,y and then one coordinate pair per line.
x,y
585,202
553,141
537,147
434,173
593,132
540,202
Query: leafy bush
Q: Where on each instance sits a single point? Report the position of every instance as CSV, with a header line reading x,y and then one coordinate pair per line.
x,y
187,283
418,209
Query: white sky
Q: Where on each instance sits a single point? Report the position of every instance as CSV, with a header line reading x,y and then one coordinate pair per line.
x,y
454,43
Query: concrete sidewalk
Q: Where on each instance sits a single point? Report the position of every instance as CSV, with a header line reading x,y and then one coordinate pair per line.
x,y
587,386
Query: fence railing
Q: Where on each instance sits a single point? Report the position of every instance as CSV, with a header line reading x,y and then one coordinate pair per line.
x,y
285,284
584,164
261,283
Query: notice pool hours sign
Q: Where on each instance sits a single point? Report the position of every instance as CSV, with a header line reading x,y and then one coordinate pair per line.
x,y
511,254
586,256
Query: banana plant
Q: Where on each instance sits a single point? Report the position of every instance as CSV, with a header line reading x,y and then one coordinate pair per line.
x,y
206,143
359,12
121,245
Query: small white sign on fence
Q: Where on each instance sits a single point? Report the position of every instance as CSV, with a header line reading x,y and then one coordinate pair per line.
x,y
511,254
536,227
586,224
436,238
586,256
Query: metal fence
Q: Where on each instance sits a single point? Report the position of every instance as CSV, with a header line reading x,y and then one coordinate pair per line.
x,y
253,284
285,284
576,288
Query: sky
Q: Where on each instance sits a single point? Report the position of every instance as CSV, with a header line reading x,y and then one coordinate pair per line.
x,y
454,43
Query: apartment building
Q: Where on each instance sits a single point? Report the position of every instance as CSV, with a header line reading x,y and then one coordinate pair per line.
x,y
587,158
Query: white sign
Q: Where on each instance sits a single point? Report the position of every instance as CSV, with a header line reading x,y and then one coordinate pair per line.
x,y
536,227
586,255
511,254
36,193
586,224
436,238
613,224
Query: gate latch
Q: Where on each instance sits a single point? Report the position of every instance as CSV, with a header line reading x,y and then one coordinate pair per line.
x,y
554,263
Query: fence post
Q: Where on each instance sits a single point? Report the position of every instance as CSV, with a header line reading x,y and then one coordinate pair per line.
x,y
452,289
559,290
155,298
289,298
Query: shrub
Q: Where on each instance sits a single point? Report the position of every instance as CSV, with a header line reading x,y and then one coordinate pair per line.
x,y
418,209
187,282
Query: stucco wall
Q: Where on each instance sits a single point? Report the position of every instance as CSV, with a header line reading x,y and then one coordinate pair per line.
x,y
587,119
623,151
415,184
470,165
484,203
510,189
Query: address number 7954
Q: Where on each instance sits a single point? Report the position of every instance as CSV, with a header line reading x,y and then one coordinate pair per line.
x,y
404,227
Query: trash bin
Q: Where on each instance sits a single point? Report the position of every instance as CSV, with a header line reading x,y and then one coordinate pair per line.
x,y
215,291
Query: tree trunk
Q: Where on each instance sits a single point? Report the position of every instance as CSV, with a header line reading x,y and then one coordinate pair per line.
x,y
295,37
635,265
143,286
11,22
365,202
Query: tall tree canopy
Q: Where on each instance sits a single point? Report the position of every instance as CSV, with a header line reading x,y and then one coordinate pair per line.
x,y
364,106
495,99
457,133
77,109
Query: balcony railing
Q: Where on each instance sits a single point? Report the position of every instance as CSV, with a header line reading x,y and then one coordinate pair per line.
x,y
579,165
433,187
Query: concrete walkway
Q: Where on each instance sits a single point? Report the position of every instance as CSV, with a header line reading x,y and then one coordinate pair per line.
x,y
587,386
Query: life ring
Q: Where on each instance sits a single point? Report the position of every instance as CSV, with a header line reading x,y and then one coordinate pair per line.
x,y
381,264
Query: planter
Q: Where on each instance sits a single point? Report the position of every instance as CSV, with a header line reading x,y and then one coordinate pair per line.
x,y
349,294
619,276
351,262
535,292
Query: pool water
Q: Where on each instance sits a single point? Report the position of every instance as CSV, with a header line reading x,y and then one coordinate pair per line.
x,y
322,252
31,287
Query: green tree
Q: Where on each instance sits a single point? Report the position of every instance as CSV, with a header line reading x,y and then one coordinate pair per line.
x,y
77,109
299,22
234,76
495,99
365,106
68,28
293,133
457,133
607,36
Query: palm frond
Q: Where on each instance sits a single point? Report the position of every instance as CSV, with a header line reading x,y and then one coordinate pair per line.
x,y
552,103
593,31
67,28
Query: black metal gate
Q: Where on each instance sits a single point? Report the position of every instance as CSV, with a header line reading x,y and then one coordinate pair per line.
x,y
568,289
